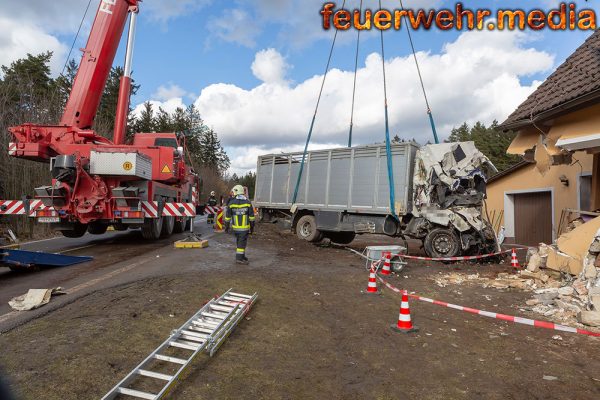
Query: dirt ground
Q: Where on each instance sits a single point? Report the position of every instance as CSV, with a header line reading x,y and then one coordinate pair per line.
x,y
311,335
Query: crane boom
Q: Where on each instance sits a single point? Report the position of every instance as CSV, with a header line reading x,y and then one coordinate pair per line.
x,y
96,62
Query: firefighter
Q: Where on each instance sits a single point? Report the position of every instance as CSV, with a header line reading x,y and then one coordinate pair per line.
x,y
212,201
239,217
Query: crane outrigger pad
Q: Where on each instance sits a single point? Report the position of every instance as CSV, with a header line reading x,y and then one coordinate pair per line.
x,y
29,259
204,332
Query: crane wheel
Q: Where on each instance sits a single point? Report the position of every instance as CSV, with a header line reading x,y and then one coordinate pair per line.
x,y
97,228
167,227
152,228
77,231
182,225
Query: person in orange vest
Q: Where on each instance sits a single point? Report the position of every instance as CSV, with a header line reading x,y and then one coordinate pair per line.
x,y
239,217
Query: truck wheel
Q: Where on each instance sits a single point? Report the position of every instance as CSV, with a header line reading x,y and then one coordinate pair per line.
x,y
181,225
442,242
341,237
152,228
97,229
167,227
77,231
306,229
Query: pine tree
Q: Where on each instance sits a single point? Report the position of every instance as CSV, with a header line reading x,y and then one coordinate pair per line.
x,y
145,123
163,121
491,141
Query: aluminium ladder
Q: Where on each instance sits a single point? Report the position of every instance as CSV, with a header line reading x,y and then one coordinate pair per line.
x,y
204,332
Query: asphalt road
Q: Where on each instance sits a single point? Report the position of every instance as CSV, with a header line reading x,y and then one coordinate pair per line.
x,y
115,253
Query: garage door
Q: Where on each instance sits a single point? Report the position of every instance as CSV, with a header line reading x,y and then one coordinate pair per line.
x,y
533,218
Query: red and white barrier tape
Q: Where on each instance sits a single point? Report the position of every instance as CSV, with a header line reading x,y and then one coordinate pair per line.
x,y
504,317
461,258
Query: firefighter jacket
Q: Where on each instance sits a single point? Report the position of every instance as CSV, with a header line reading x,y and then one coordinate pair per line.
x,y
240,214
212,201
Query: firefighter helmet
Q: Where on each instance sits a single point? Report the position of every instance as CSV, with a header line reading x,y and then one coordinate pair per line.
x,y
238,190
212,193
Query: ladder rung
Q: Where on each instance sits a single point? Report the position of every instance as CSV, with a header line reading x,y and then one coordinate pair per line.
x,y
195,334
211,324
227,303
243,296
222,308
137,393
213,315
173,360
186,345
206,326
193,339
199,329
155,375
237,300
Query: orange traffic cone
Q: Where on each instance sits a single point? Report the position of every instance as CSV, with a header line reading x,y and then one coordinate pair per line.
x,y
404,324
514,262
387,265
372,286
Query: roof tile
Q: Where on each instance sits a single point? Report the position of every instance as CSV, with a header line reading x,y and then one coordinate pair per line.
x,y
576,77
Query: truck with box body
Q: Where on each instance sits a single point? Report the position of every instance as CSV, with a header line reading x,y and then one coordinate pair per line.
x,y
439,195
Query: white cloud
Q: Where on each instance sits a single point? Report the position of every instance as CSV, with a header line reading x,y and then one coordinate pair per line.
x,y
291,24
269,66
243,159
164,93
169,105
235,26
18,38
163,11
473,78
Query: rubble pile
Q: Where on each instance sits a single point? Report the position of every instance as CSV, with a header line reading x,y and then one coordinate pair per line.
x,y
575,297
560,296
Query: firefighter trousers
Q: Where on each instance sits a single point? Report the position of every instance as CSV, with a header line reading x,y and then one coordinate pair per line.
x,y
241,239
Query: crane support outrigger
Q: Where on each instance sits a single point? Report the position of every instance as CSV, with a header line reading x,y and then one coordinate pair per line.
x,y
97,182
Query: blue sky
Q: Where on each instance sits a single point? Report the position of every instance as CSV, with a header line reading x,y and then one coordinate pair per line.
x,y
254,67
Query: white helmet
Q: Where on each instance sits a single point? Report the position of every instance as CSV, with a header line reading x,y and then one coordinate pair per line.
x,y
238,190
212,193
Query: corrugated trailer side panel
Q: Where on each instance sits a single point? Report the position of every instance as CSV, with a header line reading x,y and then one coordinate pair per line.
x,y
342,179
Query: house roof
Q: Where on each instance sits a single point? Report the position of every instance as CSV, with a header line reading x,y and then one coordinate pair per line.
x,y
575,84
508,171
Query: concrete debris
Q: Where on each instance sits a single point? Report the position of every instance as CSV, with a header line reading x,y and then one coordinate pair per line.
x,y
557,293
34,298
589,318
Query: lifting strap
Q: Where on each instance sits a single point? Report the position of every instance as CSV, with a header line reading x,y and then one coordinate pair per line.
x,y
388,146
312,124
412,46
354,85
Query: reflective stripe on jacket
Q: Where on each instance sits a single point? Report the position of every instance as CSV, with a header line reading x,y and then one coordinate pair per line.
x,y
240,214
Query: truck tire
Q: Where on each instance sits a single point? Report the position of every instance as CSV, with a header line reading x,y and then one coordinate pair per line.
x,y
306,229
442,242
77,231
152,228
167,227
97,228
341,237
181,225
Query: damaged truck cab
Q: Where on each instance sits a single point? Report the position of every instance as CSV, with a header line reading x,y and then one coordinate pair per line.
x,y
439,195
449,190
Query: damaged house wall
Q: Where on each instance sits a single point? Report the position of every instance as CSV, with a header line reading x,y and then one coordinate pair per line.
x,y
528,178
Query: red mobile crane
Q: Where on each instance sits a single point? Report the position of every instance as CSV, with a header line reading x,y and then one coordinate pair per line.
x,y
97,182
